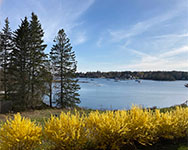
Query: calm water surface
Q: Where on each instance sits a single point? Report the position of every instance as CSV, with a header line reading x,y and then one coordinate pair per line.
x,y
109,94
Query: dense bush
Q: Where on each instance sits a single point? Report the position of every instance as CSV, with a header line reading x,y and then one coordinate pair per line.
x,y
68,132
20,134
106,130
173,124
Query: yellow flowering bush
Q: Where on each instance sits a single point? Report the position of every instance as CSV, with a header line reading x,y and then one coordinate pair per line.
x,y
112,130
141,125
173,124
108,130
20,134
68,132
180,116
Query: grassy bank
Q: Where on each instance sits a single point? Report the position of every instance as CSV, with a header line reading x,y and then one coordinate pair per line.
x,y
40,116
43,114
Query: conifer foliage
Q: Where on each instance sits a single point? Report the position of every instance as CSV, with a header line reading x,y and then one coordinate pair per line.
x,y
37,59
28,63
19,69
6,46
64,65
27,73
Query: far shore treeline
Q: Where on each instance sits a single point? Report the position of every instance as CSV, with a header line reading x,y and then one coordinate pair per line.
x,y
27,72
148,75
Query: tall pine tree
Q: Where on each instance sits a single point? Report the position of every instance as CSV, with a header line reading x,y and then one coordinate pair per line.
x,y
1,62
64,65
37,60
19,69
6,46
28,64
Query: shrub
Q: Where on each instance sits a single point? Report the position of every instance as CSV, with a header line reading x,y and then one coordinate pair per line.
x,y
108,130
112,130
20,134
67,132
141,125
173,124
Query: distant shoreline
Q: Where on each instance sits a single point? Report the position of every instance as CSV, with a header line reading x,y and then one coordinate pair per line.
x,y
146,75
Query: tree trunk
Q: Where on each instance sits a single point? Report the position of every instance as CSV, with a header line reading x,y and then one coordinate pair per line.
x,y
50,94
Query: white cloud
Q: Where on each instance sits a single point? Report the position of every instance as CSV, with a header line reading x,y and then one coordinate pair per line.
x,y
162,52
171,36
164,61
175,52
159,65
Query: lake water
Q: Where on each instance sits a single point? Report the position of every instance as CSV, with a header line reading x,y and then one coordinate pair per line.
x,y
109,94
122,94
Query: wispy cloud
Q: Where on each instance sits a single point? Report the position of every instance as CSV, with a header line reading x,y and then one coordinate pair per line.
x,y
146,25
53,15
165,61
79,38
163,49
175,52
171,36
66,16
100,41
126,44
159,65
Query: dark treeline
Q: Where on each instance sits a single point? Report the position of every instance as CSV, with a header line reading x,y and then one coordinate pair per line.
x,y
149,75
27,72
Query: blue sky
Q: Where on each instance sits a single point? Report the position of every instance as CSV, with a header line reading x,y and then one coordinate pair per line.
x,y
113,35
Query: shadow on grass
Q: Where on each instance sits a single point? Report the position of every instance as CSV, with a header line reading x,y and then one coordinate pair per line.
x,y
177,144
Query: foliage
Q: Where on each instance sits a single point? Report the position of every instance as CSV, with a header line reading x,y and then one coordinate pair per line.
x,y
173,124
6,45
64,66
141,125
27,69
19,68
37,61
67,132
135,128
20,134
112,130
108,130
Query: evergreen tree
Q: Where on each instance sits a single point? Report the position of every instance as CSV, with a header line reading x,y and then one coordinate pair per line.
x,y
1,62
20,58
37,60
64,65
28,65
6,46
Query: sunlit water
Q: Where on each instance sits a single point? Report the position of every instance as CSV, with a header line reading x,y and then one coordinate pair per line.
x,y
122,94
